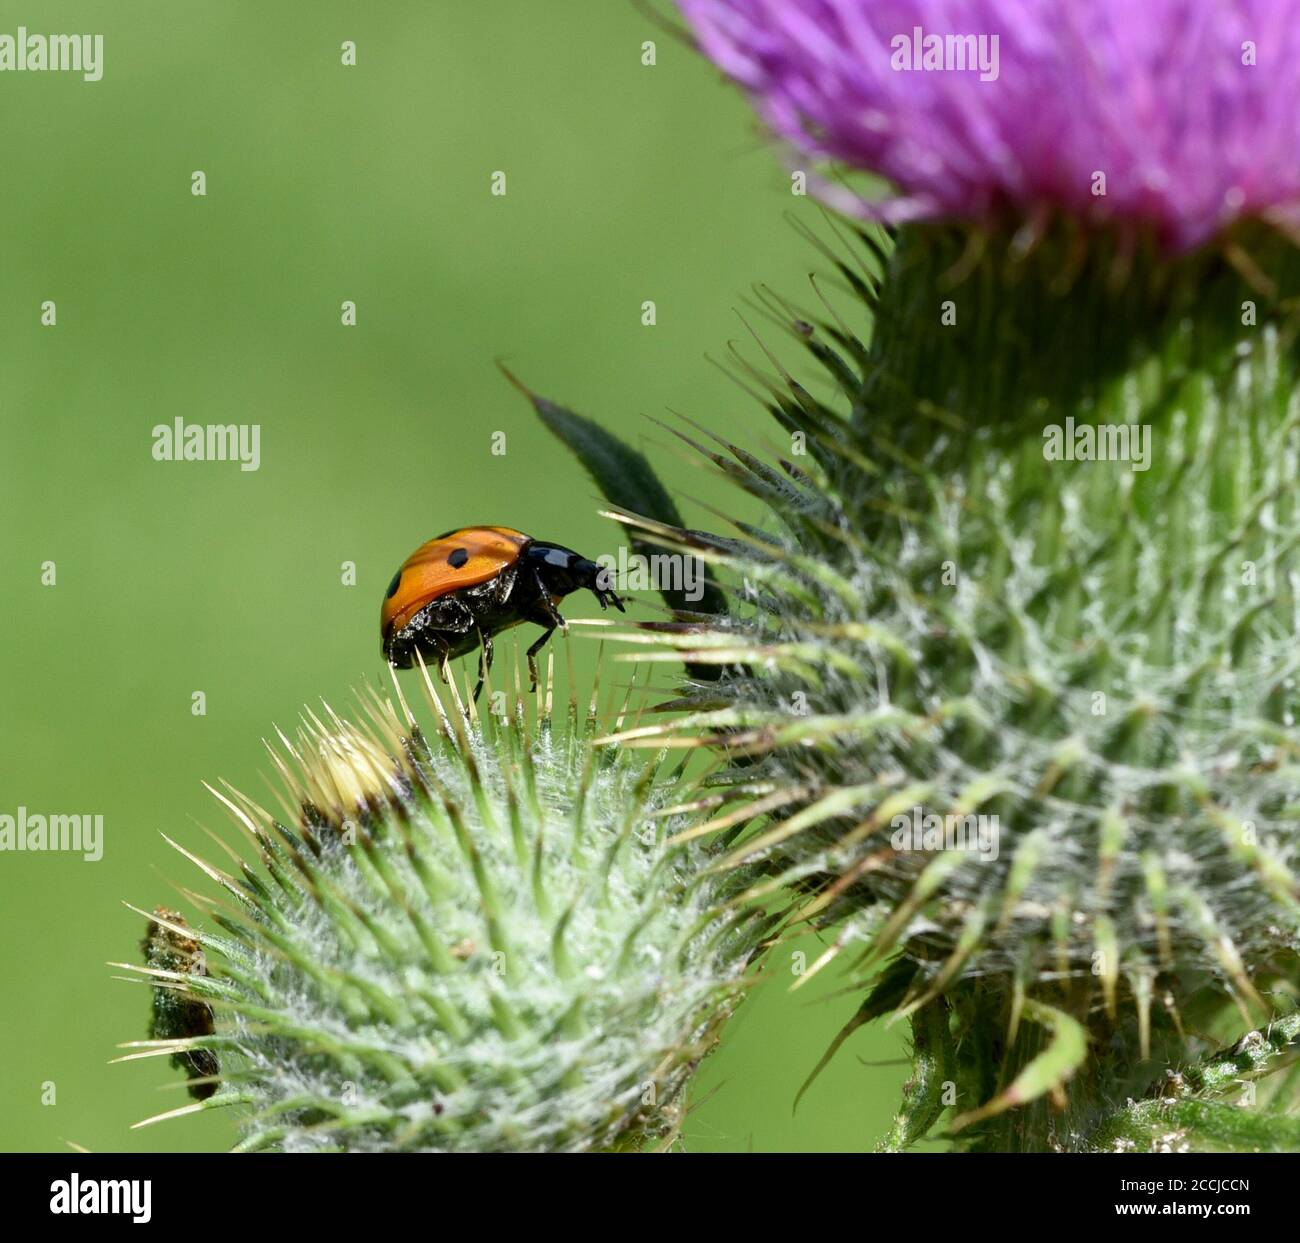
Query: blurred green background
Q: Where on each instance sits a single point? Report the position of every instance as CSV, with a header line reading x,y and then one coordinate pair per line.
x,y
625,183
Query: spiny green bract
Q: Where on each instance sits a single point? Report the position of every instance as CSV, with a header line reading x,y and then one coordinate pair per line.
x,y
941,617
479,939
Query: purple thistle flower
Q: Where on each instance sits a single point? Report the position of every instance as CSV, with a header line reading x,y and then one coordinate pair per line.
x,y
1190,109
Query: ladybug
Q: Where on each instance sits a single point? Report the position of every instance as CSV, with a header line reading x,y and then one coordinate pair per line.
x,y
454,593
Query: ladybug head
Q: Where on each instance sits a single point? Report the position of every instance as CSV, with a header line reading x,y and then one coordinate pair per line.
x,y
563,571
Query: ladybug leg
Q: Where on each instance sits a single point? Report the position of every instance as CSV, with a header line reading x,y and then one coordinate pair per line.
x,y
543,613
451,619
484,661
532,654
606,595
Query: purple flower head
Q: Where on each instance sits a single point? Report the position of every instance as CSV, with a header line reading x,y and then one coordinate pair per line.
x,y
1182,115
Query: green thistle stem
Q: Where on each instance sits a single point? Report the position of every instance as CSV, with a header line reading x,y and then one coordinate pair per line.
x,y
932,1073
1190,1109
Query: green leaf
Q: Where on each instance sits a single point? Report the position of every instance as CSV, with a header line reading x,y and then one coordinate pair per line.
x,y
887,993
626,479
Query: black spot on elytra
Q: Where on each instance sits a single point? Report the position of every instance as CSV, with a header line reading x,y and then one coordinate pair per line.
x,y
458,558
392,587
